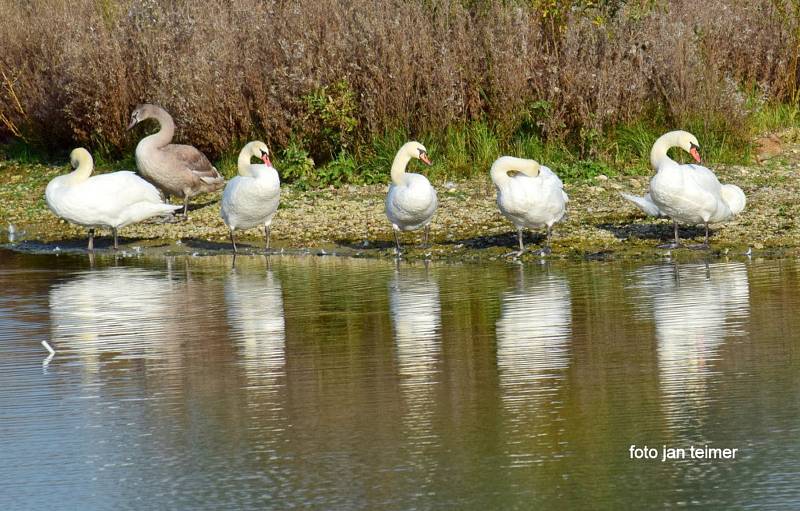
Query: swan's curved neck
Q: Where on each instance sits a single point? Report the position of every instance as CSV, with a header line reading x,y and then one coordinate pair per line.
x,y
164,135
502,166
399,165
658,154
243,163
82,172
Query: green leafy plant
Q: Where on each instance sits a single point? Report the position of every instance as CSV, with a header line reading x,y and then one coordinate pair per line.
x,y
295,166
330,120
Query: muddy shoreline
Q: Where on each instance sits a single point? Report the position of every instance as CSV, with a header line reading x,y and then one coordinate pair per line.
x,y
350,220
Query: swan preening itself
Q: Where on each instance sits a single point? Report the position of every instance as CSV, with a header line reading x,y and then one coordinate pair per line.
x,y
176,169
689,193
411,201
532,198
252,197
108,200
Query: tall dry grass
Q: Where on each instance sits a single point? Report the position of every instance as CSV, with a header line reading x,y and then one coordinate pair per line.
x,y
230,70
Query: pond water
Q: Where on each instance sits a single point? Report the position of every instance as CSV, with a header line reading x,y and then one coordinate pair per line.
x,y
335,383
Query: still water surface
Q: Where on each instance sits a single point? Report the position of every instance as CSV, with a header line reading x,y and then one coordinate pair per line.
x,y
331,383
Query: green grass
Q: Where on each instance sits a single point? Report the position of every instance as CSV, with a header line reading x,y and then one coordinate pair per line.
x,y
469,149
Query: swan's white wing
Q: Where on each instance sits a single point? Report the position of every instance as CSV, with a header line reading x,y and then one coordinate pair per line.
x,y
550,175
120,188
702,177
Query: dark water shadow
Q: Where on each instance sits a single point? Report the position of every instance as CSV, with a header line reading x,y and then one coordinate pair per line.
x,y
101,243
366,244
657,231
506,239
218,246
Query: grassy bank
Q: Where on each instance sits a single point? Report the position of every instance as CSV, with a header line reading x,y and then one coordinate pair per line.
x,y
350,219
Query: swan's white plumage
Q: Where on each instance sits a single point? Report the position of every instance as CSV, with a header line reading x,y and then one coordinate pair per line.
x,y
532,198
251,198
411,201
689,193
108,200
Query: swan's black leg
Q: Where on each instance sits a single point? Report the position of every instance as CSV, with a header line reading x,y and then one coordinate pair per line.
x,y
521,245
116,243
267,232
704,245
233,242
397,241
90,247
677,242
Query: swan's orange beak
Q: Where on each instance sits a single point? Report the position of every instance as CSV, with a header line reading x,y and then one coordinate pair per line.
x,y
695,154
424,157
266,161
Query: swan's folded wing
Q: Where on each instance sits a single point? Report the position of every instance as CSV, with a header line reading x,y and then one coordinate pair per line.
x,y
550,175
703,177
195,161
118,188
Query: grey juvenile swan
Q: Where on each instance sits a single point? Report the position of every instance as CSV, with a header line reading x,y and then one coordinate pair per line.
x,y
176,169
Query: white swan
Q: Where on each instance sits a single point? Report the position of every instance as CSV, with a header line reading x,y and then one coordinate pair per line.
x,y
534,197
108,200
689,193
252,197
411,201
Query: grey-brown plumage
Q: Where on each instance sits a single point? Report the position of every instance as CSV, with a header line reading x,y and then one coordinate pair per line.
x,y
176,169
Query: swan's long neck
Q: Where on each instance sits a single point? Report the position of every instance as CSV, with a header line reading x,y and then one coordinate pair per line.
x,y
82,171
505,164
658,154
243,163
399,165
167,131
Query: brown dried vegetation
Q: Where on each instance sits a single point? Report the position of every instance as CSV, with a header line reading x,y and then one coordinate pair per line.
x,y
230,70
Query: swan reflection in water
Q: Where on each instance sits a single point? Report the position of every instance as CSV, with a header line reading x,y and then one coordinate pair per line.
x,y
533,337
695,307
254,301
417,321
115,314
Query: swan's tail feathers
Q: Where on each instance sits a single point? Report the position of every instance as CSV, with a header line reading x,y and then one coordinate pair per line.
x,y
170,208
734,198
645,203
144,210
